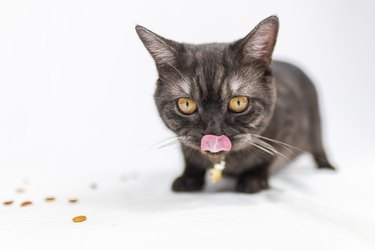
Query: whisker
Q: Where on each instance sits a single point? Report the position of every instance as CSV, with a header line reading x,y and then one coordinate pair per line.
x,y
168,144
270,147
288,145
163,140
280,143
263,149
264,144
259,153
283,146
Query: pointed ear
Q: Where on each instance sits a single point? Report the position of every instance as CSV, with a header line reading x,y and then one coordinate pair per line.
x,y
258,45
161,49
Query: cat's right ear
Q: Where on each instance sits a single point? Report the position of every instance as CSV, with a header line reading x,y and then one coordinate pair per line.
x,y
163,50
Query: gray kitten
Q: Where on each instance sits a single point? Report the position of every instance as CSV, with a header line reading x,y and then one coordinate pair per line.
x,y
230,101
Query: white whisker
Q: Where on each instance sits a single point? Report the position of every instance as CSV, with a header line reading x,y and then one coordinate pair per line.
x,y
263,149
271,148
280,143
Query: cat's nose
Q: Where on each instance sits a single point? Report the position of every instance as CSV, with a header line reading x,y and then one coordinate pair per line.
x,y
215,143
214,126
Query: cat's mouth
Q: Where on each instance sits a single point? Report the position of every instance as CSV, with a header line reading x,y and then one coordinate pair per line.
x,y
215,157
215,146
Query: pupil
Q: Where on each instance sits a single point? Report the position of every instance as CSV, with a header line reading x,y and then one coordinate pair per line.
x,y
238,102
187,104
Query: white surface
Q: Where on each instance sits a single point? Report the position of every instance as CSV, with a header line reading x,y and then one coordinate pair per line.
x,y
76,107
305,208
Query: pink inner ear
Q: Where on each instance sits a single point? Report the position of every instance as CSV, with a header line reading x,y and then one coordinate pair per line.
x,y
215,143
259,44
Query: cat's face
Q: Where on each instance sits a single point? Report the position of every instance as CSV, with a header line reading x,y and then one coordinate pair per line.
x,y
215,89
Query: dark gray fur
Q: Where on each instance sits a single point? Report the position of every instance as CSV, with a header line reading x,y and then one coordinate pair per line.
x,y
283,105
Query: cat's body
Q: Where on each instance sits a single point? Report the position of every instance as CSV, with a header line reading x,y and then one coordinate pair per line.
x,y
282,106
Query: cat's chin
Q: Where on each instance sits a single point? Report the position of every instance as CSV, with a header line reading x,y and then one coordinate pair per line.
x,y
215,157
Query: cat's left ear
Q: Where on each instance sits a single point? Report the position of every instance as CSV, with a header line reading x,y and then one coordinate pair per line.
x,y
257,47
162,50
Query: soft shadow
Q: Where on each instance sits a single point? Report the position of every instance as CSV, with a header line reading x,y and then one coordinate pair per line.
x,y
153,195
151,192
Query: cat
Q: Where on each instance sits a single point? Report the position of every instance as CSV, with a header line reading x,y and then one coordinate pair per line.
x,y
232,102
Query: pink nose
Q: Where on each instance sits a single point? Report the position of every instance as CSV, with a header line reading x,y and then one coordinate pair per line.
x,y
215,143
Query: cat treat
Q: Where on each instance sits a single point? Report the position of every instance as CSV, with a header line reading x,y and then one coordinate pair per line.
x,y
80,218
50,198
26,203
8,203
216,172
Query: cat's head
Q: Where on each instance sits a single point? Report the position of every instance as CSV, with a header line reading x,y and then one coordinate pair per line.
x,y
216,93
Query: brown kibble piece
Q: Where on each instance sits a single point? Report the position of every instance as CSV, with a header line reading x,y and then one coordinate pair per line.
x,y
26,203
73,200
50,198
20,190
7,203
80,218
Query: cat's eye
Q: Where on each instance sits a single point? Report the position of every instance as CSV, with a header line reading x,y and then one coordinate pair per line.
x,y
187,105
238,104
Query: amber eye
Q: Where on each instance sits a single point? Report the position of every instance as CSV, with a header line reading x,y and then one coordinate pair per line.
x,y
238,104
187,105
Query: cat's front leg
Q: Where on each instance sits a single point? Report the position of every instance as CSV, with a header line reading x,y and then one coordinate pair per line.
x,y
253,180
192,179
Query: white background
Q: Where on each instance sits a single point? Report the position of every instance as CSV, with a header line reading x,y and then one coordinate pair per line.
x,y
76,108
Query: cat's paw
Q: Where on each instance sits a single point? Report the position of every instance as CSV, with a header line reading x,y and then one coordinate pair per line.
x,y
187,184
251,184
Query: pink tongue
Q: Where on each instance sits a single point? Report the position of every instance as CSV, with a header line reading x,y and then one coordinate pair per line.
x,y
214,143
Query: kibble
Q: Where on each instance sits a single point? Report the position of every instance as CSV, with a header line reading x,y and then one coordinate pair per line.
x,y
26,203
80,218
7,203
73,200
50,198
